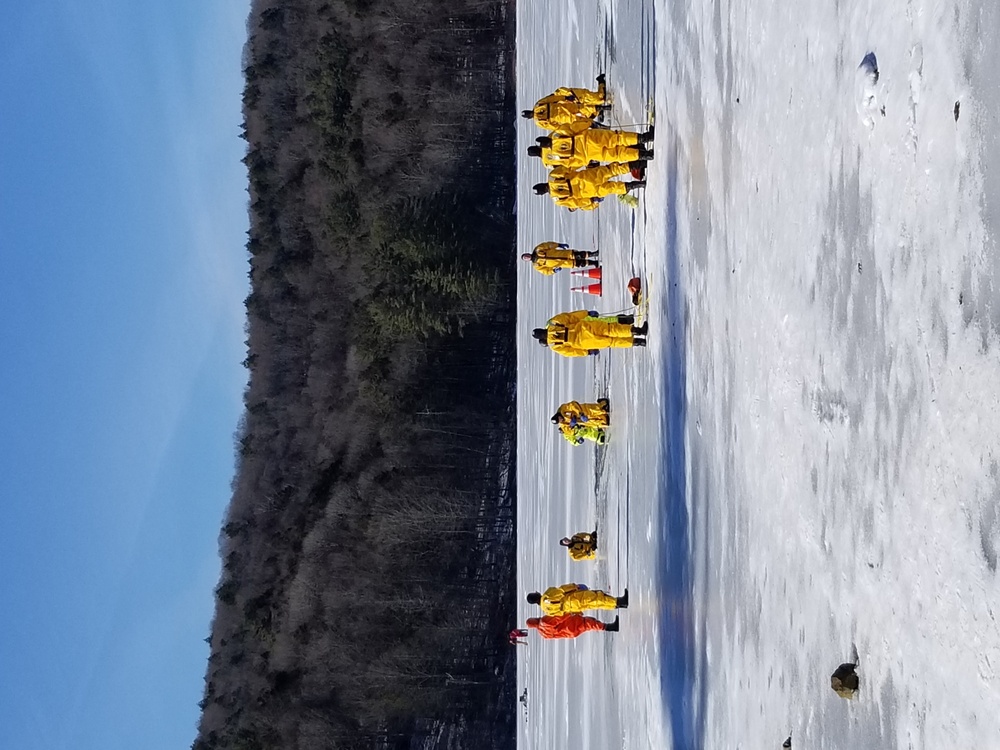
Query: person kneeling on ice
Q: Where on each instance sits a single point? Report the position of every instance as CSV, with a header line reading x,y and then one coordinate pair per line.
x,y
582,546
569,626
549,258
577,334
585,188
599,146
574,413
581,433
574,598
569,110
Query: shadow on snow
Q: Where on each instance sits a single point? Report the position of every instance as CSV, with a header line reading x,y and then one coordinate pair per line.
x,y
683,701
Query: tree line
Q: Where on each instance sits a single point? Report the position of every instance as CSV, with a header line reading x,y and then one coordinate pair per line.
x,y
368,576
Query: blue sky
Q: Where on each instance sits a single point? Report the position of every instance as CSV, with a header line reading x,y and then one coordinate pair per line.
x,y
122,231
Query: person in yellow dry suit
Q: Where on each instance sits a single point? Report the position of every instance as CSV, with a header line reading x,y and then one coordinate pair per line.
x,y
577,334
574,413
569,110
582,432
585,188
551,257
602,146
582,546
574,598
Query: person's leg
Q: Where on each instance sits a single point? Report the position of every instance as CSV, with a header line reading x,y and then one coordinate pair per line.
x,y
588,97
612,187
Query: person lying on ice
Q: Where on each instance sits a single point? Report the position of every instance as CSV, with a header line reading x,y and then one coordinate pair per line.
x,y
601,146
569,626
574,598
582,432
551,257
584,188
577,334
582,546
569,110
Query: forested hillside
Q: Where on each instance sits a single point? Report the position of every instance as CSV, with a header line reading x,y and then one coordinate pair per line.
x,y
367,582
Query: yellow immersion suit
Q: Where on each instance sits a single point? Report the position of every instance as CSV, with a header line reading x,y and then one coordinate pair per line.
x,y
577,435
568,110
549,257
576,151
570,598
582,546
576,334
579,189
573,412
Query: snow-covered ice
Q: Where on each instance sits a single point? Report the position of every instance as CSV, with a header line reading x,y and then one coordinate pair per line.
x,y
806,459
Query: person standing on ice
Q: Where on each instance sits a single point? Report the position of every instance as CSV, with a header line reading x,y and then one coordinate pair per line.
x,y
569,110
582,546
569,626
550,258
601,146
577,334
585,188
573,598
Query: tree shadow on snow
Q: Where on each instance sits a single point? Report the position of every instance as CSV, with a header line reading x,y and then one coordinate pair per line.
x,y
683,699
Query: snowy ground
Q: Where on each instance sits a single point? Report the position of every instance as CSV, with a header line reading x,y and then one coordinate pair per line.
x,y
806,460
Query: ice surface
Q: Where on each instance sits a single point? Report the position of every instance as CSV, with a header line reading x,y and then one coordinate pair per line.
x,y
805,459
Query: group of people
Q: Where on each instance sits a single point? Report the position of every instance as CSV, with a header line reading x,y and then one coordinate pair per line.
x,y
563,607
585,332
585,157
578,422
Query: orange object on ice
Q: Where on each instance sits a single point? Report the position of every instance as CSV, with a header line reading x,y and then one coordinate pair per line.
x,y
635,289
564,626
596,289
590,273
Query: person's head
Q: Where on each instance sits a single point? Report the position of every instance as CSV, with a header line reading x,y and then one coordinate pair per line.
x,y
527,114
541,335
535,151
533,622
544,141
526,256
565,542
557,418
534,598
542,188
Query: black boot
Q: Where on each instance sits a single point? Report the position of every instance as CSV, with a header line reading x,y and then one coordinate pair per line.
x,y
630,186
647,136
601,79
637,164
641,330
638,342
604,403
646,154
630,319
622,601
611,627
593,253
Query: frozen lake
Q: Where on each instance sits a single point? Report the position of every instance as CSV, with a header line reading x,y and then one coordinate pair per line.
x,y
806,458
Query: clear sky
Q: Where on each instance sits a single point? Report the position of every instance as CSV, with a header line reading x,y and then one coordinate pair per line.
x,y
122,232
